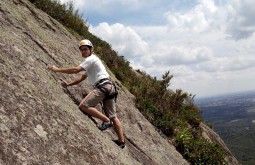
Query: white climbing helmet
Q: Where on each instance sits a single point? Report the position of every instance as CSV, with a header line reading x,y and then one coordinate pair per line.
x,y
86,43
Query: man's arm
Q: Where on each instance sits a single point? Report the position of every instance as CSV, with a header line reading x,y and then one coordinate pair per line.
x,y
74,81
72,70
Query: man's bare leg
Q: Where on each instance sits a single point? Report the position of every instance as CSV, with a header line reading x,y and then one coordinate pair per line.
x,y
95,113
118,129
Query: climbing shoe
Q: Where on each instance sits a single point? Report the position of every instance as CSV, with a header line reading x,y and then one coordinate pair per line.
x,y
105,125
121,144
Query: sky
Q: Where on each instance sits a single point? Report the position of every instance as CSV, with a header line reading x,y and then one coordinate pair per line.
x,y
207,45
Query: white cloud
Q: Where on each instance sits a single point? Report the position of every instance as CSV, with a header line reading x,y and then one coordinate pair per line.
x,y
176,55
198,19
241,23
235,17
123,39
228,64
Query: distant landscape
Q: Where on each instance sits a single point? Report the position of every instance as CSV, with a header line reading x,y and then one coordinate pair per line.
x,y
232,116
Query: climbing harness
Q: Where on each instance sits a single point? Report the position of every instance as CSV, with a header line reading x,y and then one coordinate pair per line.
x,y
109,94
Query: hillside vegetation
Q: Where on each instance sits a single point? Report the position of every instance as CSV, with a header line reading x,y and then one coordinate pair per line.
x,y
232,117
172,112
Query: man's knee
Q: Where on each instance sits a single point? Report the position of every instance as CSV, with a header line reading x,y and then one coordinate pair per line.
x,y
115,120
112,117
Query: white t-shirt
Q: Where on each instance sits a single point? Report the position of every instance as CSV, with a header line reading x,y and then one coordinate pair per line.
x,y
94,68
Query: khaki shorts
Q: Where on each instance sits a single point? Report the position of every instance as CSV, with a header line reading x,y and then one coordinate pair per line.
x,y
95,97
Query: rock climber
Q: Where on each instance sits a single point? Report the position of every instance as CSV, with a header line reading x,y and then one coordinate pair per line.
x,y
104,89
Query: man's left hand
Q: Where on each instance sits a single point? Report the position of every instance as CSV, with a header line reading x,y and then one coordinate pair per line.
x,y
63,83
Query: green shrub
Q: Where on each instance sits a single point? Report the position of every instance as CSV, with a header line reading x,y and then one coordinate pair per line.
x,y
64,13
191,115
199,151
